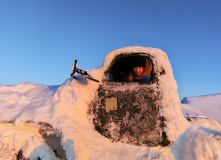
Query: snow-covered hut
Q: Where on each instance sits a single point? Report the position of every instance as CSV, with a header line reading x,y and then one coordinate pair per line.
x,y
141,113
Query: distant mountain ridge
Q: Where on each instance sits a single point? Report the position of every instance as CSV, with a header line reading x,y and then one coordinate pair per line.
x,y
187,100
206,105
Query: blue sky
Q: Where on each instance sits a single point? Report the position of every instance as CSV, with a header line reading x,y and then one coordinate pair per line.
x,y
40,39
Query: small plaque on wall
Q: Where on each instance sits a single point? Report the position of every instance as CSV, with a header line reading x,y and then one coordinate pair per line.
x,y
111,103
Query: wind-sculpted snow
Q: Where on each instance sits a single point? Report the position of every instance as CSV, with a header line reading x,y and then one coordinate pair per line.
x,y
198,143
28,112
13,139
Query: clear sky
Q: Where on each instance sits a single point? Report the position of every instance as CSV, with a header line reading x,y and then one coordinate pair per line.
x,y
40,39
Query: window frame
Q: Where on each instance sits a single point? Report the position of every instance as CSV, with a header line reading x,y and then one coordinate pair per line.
x,y
154,74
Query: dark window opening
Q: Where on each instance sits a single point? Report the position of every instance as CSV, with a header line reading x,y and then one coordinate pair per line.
x,y
131,69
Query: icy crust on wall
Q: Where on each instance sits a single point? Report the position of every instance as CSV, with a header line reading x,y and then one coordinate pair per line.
x,y
136,120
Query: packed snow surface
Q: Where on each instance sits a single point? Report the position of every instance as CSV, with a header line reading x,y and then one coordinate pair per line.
x,y
65,107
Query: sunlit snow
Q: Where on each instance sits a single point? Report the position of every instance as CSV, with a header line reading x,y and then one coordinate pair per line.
x,y
26,107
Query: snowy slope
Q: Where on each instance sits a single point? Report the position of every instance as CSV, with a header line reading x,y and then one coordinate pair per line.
x,y
207,106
